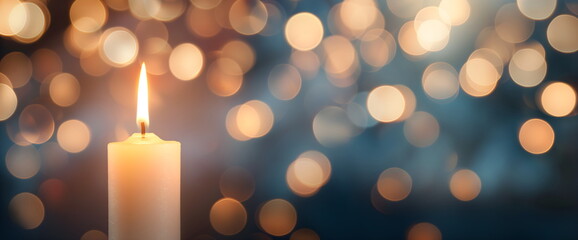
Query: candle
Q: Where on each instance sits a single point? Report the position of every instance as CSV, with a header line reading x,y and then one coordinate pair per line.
x,y
144,174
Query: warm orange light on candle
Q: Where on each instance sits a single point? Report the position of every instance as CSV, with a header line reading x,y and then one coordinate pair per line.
x,y
142,109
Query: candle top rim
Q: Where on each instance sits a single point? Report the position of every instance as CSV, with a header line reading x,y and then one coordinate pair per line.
x,y
149,138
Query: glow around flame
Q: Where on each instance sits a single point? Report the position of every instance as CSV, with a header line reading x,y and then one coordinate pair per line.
x,y
142,110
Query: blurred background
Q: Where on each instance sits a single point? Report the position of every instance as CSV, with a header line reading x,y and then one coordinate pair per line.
x,y
299,119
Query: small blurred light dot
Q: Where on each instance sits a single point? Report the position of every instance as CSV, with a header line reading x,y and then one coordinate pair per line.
x,y
73,136
8,101
394,184
36,124
421,129
465,185
458,10
440,81
277,217
248,17
64,89
558,99
536,136
94,235
27,210
331,126
237,183
28,21
304,31
88,15
378,47
424,231
284,82
537,10
224,77
119,47
23,162
304,234
562,33
528,67
17,67
511,25
228,216
186,61
241,52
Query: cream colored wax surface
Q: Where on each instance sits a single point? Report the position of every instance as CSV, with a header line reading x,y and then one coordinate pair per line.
x,y
144,188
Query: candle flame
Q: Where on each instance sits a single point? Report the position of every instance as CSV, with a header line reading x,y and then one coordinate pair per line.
x,y
142,110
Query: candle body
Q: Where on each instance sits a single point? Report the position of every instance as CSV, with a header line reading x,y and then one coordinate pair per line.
x,y
144,189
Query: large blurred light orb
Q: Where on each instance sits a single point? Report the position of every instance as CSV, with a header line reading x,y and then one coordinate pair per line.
x,y
440,81
558,99
248,17
186,61
64,89
424,231
284,82
17,67
394,184
228,216
421,129
511,25
224,77
27,209
119,47
528,67
8,101
304,31
88,15
457,10
537,10
73,136
36,124
465,185
277,217
536,136
386,103
562,33
23,162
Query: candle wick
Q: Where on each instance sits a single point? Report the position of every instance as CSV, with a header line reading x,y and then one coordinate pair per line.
x,y
142,129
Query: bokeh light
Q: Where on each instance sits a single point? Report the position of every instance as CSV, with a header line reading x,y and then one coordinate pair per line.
x,y
94,235
23,162
64,89
378,47
88,15
440,81
308,173
304,31
8,101
186,61
390,103
17,67
511,25
277,217
331,126
563,33
457,10
228,216
118,47
465,185
27,210
421,129
537,10
248,17
394,184
252,119
528,67
73,136
424,231
304,234
558,99
284,82
36,124
224,77
536,136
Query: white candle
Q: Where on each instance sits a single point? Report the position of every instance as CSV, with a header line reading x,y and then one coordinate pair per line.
x,y
144,182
